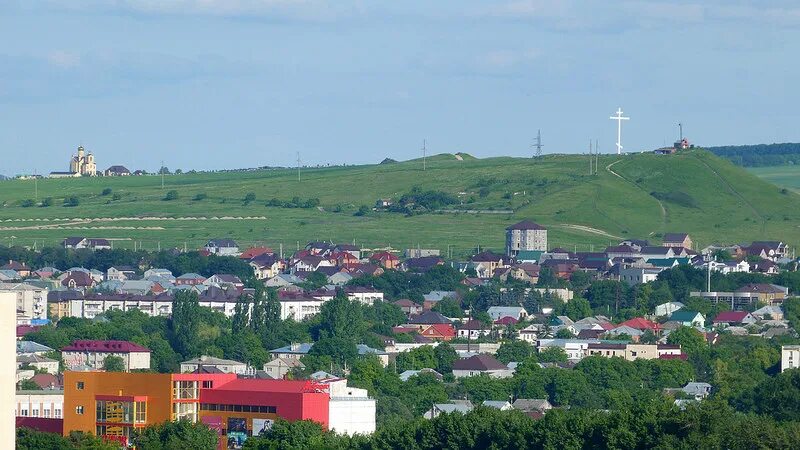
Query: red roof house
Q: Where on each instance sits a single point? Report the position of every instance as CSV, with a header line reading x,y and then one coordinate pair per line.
x,y
439,332
734,318
641,324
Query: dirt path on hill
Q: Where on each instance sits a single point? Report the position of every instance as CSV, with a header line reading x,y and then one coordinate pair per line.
x,y
586,229
660,204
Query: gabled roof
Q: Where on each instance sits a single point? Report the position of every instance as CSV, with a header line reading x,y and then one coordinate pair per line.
x,y
762,288
640,323
507,320
675,237
731,316
683,315
482,362
252,252
429,317
526,225
441,329
32,347
487,256
222,243
406,303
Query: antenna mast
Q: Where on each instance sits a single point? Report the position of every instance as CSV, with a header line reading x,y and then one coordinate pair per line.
x,y
680,126
424,155
538,144
619,118
590,156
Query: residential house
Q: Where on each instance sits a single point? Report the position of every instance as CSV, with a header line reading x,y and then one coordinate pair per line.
x,y
630,352
455,406
190,279
38,362
78,280
502,405
642,324
790,357
222,365
222,247
525,236
772,250
93,353
421,264
362,294
473,329
413,373
666,309
420,252
574,348
385,260
409,307
266,266
120,273
677,240
21,268
254,252
297,351
438,332
525,272
83,242
498,312
487,263
223,279
688,318
769,313
32,348
117,171
532,405
430,299
728,318
531,333
766,267
339,278
634,334
300,308
45,404
479,365
350,249
278,368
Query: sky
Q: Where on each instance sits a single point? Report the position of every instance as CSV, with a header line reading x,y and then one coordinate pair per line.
x,y
219,84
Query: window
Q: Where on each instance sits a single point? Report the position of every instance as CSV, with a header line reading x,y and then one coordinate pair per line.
x,y
208,384
79,410
141,412
79,385
57,413
34,413
46,413
23,412
182,390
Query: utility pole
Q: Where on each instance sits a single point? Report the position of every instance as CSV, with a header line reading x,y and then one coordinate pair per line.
x,y
424,155
596,156
680,126
36,187
298,167
590,157
162,174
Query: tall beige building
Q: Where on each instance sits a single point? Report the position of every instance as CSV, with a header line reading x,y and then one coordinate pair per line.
x,y
83,163
525,236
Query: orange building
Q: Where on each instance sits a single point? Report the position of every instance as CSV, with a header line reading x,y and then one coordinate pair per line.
x,y
113,404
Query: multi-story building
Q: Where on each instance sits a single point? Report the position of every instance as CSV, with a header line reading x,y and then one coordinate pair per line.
x,y
525,235
31,300
94,353
46,404
790,357
113,404
223,365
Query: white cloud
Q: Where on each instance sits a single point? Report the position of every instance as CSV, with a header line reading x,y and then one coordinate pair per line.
x,y
63,59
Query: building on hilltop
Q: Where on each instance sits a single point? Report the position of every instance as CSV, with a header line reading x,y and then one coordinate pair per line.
x,y
525,236
83,163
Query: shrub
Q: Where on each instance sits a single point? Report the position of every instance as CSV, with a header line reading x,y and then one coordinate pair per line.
x,y
363,210
200,196
71,201
27,203
116,196
171,195
47,202
106,191
251,196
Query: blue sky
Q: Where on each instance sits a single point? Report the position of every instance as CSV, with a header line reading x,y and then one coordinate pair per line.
x,y
211,84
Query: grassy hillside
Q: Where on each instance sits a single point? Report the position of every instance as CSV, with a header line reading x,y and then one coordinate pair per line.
x,y
632,196
783,176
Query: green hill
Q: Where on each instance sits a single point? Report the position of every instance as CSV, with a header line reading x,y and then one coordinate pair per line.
x,y
632,196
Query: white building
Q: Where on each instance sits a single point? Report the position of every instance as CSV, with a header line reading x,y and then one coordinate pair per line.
x,y
574,348
365,295
39,362
525,236
91,306
790,357
666,309
300,309
351,410
639,275
225,365
94,353
31,300
45,404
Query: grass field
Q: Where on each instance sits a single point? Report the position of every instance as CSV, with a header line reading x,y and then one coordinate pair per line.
x,y
631,196
784,176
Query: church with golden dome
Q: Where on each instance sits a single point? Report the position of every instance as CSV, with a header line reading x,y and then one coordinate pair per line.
x,y
83,163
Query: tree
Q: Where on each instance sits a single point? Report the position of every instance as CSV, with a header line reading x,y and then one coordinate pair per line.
x,y
29,385
692,342
419,358
445,355
29,439
185,323
171,195
514,351
564,333
342,318
448,307
175,435
552,354
113,363
72,201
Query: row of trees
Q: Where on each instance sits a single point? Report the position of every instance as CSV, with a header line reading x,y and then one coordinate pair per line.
x,y
760,155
